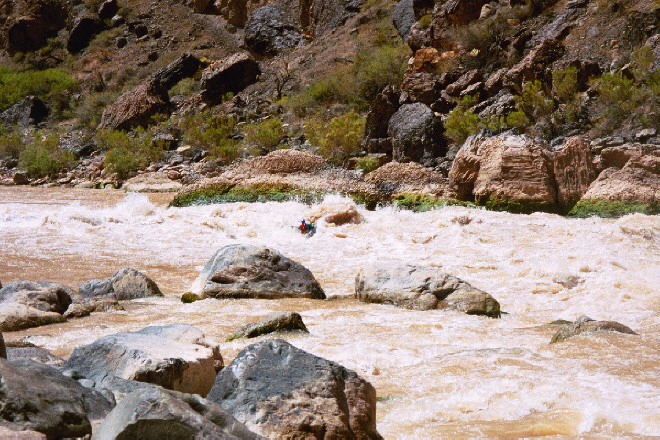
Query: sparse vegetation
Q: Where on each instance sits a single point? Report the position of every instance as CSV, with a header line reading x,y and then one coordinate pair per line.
x,y
44,157
51,85
462,122
338,139
10,144
612,209
127,152
263,137
212,133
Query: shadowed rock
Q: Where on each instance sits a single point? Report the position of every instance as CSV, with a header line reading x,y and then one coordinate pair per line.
x,y
416,134
421,288
584,324
37,397
177,357
83,31
158,414
25,304
311,397
232,74
244,271
279,322
28,111
125,284
3,350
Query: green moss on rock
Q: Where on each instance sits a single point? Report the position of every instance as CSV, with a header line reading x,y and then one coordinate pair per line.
x,y
233,194
612,209
189,297
424,202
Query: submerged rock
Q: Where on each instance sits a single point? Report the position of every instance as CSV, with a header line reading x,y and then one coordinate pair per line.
x,y
421,288
26,304
125,284
584,324
245,271
279,322
37,397
177,357
158,414
311,398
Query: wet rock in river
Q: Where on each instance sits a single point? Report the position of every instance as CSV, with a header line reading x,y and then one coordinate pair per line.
x,y
422,288
178,357
279,322
25,304
159,414
245,271
311,398
125,284
584,324
38,397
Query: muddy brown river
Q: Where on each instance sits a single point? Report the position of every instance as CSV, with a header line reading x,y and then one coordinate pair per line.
x,y
438,374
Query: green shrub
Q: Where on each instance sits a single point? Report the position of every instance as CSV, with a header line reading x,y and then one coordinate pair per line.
x,y
376,68
612,209
462,122
50,85
565,89
185,87
338,139
265,136
44,157
212,133
425,21
10,144
127,153
618,95
367,164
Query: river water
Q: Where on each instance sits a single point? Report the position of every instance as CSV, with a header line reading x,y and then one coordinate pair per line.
x,y
438,374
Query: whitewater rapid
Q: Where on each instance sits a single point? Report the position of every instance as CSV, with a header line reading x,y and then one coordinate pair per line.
x,y
438,374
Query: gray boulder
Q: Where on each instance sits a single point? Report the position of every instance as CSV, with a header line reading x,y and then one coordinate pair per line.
x,y
154,413
244,271
177,357
416,134
403,17
36,354
280,391
28,111
125,284
584,324
231,74
84,29
421,288
37,397
279,322
270,30
25,304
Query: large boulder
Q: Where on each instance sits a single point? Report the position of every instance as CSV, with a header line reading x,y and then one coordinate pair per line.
x,y
270,30
154,413
84,29
125,284
382,108
573,170
504,169
232,74
279,322
244,271
422,288
183,67
136,107
584,324
28,111
25,304
311,397
30,23
37,397
416,134
177,357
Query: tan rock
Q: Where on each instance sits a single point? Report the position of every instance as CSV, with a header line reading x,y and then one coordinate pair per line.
x,y
336,213
574,170
512,168
637,181
152,182
136,107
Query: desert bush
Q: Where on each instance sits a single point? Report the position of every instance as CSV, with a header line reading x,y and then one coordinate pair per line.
x,y
265,136
10,144
50,85
618,95
212,133
642,59
462,122
367,164
185,87
565,89
425,21
338,139
376,68
44,157
90,110
128,152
